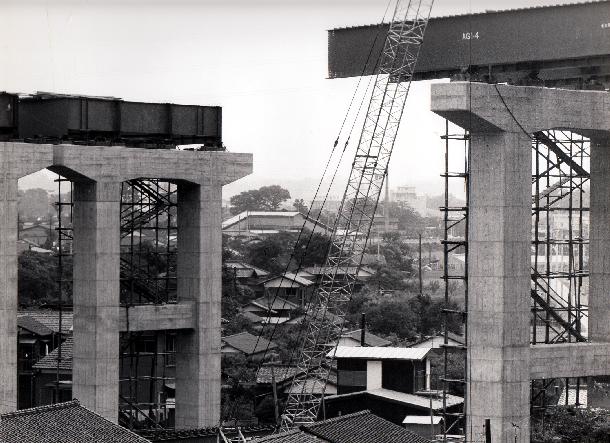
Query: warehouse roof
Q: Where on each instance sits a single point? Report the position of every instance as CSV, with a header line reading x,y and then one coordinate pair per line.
x,y
50,361
380,353
63,422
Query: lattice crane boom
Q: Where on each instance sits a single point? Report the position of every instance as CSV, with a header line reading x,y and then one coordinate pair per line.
x,y
324,320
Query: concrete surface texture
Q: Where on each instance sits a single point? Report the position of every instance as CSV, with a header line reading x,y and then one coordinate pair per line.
x,y
97,173
501,361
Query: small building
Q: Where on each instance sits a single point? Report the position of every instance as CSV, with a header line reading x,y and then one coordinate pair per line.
x,y
46,390
438,341
289,286
38,333
62,422
37,234
246,344
360,427
271,309
261,223
362,276
391,382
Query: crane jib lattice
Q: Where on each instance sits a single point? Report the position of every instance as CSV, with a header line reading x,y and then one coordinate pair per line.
x,y
324,320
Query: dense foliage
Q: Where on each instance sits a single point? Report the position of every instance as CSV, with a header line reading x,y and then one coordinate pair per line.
x,y
266,198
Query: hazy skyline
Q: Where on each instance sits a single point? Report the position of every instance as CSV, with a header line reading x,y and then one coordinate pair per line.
x,y
264,62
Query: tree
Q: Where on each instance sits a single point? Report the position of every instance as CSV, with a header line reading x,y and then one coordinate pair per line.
x,y
392,316
37,275
311,249
266,198
300,206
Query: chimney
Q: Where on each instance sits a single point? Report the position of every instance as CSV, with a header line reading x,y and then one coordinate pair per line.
x,y
363,330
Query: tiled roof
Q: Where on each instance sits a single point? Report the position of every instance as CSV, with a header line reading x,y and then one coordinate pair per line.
x,y
64,422
280,372
361,427
32,325
369,339
296,436
379,353
248,343
50,361
50,319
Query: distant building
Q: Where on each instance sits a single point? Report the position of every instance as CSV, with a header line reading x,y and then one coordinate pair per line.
x,y
270,308
318,271
261,223
62,422
289,286
353,338
246,344
37,234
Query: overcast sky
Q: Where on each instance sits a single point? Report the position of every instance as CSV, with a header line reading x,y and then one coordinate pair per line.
x,y
264,62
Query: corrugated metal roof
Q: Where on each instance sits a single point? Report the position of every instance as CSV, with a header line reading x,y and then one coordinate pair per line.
x,y
421,420
380,353
422,401
243,215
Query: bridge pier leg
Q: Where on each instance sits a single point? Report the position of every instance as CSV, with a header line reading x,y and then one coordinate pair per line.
x,y
96,224
199,280
498,285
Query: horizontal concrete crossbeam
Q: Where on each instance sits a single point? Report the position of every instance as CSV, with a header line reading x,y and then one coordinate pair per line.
x,y
118,163
569,360
157,317
481,107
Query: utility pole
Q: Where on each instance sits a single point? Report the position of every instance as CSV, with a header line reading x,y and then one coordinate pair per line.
x,y
274,386
386,206
421,283
487,430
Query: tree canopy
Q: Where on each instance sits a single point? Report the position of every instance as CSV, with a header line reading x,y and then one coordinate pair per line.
x,y
266,198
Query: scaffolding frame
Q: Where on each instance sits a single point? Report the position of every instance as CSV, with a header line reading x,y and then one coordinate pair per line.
x,y
560,172
455,218
560,241
147,276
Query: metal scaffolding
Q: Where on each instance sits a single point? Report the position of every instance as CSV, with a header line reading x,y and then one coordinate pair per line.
x,y
560,252
455,242
148,276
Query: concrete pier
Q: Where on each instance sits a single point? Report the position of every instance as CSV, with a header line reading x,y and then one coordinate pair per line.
x,y
96,229
198,349
501,361
97,173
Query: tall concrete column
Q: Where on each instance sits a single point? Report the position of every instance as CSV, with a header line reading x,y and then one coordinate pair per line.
x,y
499,285
8,294
599,249
599,255
96,227
199,281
